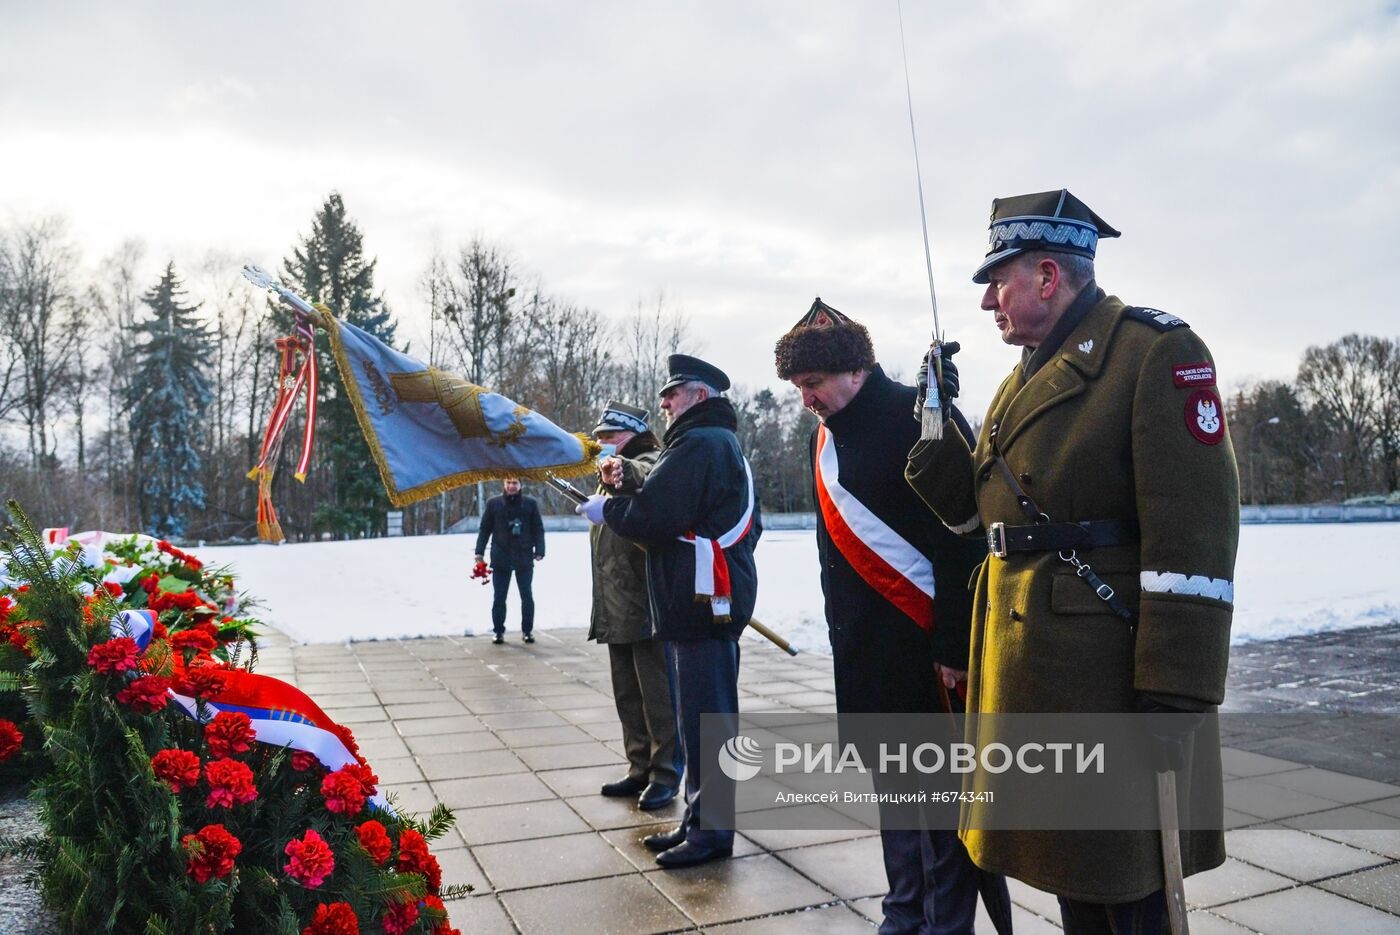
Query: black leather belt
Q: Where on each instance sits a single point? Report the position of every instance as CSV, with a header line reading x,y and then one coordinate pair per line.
x,y
1002,539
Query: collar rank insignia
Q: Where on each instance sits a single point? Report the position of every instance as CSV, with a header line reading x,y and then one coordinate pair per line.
x,y
1087,346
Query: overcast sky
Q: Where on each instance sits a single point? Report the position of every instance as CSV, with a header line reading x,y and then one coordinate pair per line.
x,y
741,156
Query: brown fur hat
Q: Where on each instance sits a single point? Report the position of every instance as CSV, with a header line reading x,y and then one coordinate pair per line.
x,y
825,341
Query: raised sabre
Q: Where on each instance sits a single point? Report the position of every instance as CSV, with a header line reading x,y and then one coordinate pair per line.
x,y
931,417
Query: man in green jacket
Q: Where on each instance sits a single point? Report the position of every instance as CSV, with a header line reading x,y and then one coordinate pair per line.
x,y
1106,448
641,664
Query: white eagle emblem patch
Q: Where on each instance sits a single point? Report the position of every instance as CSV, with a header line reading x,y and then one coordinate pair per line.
x,y
1205,417
1087,346
1208,417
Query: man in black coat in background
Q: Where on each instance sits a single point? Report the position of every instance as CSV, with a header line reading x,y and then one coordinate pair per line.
x,y
698,516
513,526
898,607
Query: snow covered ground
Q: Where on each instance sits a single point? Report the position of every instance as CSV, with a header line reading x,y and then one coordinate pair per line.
x,y
1291,579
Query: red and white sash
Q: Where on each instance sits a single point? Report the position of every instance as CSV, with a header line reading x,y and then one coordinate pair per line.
x,y
881,556
711,567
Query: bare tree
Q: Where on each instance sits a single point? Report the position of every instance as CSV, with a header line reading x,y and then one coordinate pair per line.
x,y
479,310
37,261
1341,384
651,333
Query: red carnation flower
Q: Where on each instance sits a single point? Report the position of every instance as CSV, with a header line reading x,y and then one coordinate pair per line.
x,y
435,906
178,769
333,919
414,857
229,733
202,681
374,838
150,583
348,739
311,859
6,605
368,781
11,739
400,917
303,761
115,655
145,694
211,852
343,793
230,784
112,588
193,639
18,636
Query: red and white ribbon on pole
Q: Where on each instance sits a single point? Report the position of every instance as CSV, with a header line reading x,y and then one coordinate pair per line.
x,y
882,557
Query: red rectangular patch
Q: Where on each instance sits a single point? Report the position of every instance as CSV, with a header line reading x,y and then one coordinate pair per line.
x,y
1202,374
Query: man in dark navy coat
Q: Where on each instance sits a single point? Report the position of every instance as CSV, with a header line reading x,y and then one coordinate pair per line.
x,y
513,526
898,608
695,510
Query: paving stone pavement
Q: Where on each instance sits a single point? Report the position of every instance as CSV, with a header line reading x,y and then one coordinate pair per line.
x,y
517,739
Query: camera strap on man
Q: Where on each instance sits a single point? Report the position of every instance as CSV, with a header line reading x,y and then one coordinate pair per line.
x,y
1043,535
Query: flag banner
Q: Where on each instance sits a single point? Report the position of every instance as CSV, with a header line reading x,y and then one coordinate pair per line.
x,y
430,431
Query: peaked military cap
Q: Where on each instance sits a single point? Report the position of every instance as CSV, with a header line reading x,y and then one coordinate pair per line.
x,y
823,341
620,417
682,368
1054,221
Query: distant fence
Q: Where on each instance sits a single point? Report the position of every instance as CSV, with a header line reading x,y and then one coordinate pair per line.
x,y
1271,513
1320,513
576,523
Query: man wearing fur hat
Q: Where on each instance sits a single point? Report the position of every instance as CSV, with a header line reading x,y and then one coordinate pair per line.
x,y
1105,484
698,515
641,677
898,609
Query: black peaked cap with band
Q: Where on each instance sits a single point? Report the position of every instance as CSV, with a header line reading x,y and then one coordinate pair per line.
x,y
620,417
823,341
1055,221
682,368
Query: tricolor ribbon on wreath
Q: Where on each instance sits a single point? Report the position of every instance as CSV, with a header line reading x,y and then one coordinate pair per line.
x,y
279,714
428,431
883,558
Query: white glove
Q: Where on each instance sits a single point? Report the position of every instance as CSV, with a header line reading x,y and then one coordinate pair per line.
x,y
592,508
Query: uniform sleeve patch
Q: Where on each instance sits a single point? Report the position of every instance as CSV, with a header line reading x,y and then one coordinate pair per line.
x,y
1205,417
1200,374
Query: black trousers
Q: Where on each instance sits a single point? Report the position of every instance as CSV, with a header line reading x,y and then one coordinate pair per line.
x,y
707,682
1146,916
500,580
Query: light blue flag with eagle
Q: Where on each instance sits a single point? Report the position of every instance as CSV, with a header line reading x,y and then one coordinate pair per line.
x,y
429,430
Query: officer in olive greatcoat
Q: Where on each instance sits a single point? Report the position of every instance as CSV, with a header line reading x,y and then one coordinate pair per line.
x,y
1106,446
641,665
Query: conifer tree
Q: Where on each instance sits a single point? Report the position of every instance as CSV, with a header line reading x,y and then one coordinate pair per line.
x,y
166,402
329,267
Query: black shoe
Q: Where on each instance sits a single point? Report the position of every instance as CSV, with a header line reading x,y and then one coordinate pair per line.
x,y
529,638
498,639
687,854
665,840
655,795
623,787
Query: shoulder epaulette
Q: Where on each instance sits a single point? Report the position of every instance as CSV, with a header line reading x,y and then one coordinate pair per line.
x,y
1162,321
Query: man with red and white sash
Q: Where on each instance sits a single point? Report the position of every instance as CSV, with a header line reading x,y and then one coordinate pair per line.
x,y
697,513
898,609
